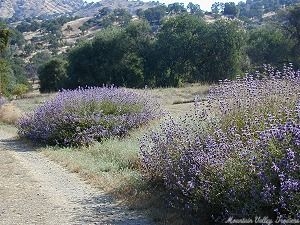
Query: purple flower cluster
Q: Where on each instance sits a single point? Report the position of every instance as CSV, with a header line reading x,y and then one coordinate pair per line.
x,y
236,155
278,169
79,117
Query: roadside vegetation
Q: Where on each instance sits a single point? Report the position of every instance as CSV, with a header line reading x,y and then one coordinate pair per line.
x,y
203,125
231,153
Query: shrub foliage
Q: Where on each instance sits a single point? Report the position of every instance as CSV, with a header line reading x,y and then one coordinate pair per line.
x,y
81,116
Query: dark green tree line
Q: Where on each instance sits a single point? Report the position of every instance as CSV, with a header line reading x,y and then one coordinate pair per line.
x,y
186,49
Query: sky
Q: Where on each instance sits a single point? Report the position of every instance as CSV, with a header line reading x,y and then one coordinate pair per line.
x,y
204,5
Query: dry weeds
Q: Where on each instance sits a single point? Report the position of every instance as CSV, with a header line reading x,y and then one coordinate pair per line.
x,y
9,113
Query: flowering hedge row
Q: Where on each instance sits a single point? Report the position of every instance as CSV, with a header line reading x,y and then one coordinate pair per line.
x,y
238,155
81,116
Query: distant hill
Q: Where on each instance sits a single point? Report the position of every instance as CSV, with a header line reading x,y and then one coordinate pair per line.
x,y
93,8
31,8
20,9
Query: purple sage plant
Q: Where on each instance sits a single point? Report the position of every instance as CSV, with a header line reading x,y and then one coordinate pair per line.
x,y
237,155
79,117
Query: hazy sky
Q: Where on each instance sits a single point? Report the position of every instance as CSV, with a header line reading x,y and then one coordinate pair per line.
x,y
205,5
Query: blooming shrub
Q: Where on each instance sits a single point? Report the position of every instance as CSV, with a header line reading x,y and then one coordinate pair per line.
x,y
278,169
237,156
81,116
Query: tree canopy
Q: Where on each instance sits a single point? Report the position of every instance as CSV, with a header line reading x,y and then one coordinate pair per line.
x,y
4,38
11,68
186,49
52,75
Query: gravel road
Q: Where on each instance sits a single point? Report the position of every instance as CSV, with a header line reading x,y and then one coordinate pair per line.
x,y
35,190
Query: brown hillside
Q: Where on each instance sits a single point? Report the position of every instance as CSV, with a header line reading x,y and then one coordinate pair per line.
x,y
32,8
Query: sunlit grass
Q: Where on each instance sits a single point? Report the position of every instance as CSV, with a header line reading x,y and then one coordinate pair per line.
x,y
7,128
30,103
111,155
169,96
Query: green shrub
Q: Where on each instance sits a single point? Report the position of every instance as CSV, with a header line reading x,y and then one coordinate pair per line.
x,y
20,89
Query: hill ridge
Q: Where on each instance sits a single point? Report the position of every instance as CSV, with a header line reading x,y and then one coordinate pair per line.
x,y
32,8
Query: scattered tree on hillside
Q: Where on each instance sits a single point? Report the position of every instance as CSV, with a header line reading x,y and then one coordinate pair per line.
x,y
7,79
186,50
36,61
18,65
106,18
30,26
4,38
176,46
153,15
83,28
19,90
104,12
194,9
69,28
28,49
294,29
183,48
17,38
190,48
11,68
288,21
121,17
230,9
217,8
176,8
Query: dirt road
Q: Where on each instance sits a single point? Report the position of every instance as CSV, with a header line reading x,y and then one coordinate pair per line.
x,y
35,190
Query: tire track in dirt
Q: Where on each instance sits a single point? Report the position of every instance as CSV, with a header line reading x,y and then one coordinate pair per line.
x,y
35,190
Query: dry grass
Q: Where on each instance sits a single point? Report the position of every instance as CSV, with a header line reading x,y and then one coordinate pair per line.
x,y
31,101
113,166
179,100
9,113
8,128
72,35
168,96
